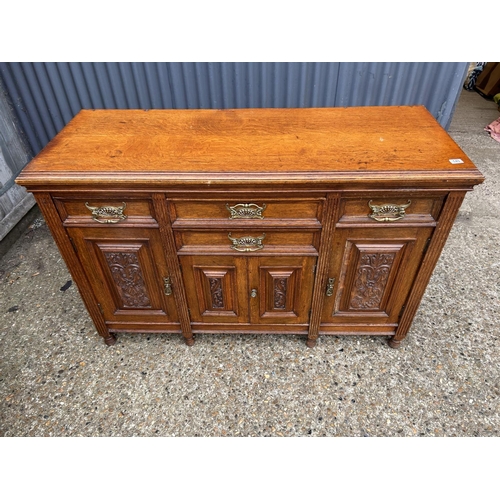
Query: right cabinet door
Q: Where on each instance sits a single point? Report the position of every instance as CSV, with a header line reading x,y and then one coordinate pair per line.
x,y
371,273
281,289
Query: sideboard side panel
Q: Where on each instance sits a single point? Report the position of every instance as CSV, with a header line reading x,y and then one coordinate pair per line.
x,y
436,245
75,268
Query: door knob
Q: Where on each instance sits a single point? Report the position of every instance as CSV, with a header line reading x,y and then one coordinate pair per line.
x,y
253,293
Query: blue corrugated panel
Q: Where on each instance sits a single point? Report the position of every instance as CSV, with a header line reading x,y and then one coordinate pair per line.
x,y
48,95
436,85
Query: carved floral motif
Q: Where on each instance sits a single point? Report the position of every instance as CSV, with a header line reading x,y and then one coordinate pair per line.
x,y
127,274
280,285
216,292
371,279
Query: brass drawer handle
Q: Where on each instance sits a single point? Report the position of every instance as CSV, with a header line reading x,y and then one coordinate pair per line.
x,y
329,287
247,243
246,211
107,214
389,212
167,285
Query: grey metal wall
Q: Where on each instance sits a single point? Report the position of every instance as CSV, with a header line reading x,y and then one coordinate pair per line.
x,y
15,201
47,95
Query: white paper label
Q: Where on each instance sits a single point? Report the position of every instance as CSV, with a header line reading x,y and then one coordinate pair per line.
x,y
456,160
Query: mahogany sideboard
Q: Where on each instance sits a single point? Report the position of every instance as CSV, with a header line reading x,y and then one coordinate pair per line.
x,y
324,221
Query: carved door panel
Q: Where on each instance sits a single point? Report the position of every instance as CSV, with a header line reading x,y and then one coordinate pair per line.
x,y
216,288
281,289
370,275
128,273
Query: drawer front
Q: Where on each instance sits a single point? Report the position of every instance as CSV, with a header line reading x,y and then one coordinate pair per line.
x,y
396,208
244,242
97,211
244,209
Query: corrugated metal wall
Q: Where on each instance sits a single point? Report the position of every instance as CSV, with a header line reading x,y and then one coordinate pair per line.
x,y
47,95
15,201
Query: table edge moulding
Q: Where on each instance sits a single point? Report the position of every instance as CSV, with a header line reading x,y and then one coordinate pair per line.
x,y
308,221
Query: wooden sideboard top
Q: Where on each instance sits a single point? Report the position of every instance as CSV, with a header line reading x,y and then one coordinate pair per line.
x,y
400,145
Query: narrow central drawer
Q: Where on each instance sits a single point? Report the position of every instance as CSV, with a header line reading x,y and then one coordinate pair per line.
x,y
246,209
247,242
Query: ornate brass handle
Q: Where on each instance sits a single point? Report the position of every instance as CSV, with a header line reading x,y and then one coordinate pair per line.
x,y
389,212
329,287
167,285
246,211
247,243
107,214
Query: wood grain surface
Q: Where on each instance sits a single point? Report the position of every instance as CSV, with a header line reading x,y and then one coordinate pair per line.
x,y
323,144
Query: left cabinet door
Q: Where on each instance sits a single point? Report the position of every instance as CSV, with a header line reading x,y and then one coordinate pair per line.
x,y
129,276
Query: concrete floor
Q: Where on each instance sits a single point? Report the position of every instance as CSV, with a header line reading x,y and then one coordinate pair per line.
x,y
57,378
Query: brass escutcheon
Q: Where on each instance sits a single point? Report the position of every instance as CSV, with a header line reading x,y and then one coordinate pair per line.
x,y
329,287
167,285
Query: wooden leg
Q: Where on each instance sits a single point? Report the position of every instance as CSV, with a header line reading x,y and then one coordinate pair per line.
x,y
395,344
189,340
110,339
311,342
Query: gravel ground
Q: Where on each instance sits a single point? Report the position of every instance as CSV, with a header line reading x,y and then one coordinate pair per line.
x,y
57,378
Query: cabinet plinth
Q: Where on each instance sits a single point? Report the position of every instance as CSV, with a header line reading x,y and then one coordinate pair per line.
x,y
325,221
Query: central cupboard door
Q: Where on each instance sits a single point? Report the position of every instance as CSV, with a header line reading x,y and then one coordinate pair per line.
x,y
281,289
216,288
255,290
